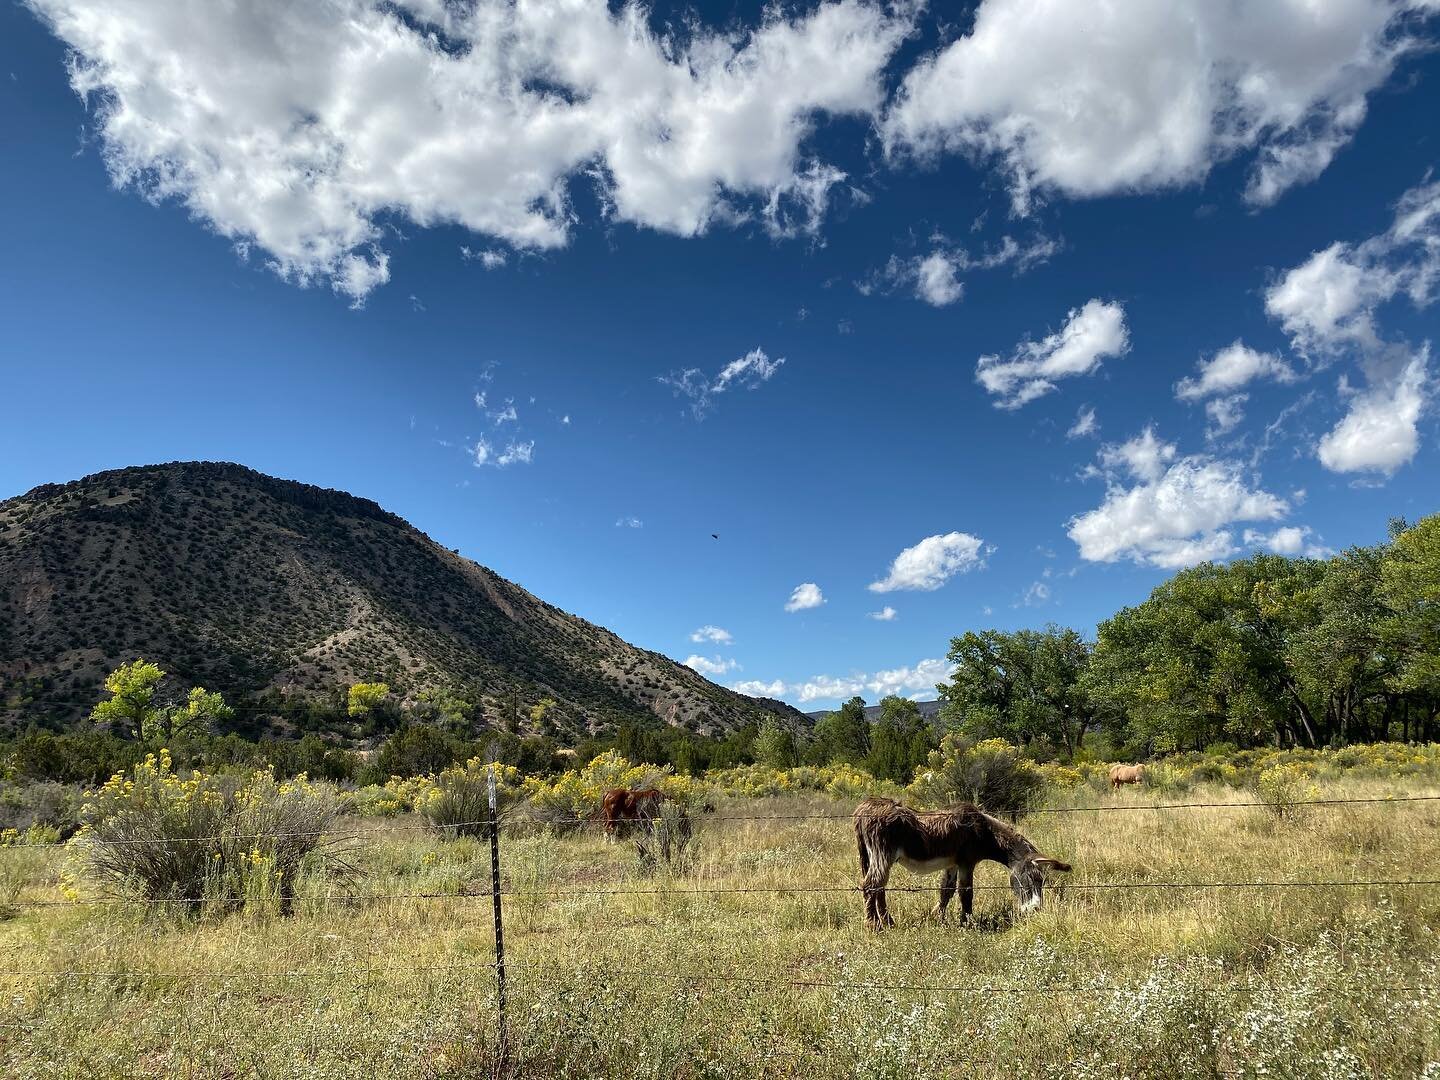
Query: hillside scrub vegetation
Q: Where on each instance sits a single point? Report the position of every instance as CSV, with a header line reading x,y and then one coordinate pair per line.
x,y
281,596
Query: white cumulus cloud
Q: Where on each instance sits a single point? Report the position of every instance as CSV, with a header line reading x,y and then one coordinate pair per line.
x,y
937,280
1329,305
712,634
1174,511
1289,540
806,595
710,667
294,127
911,680
1380,432
932,562
885,614
1090,334
759,688
1231,368
1131,95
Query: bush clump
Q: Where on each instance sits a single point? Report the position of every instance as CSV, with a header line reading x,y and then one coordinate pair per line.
x,y
456,801
1284,790
992,774
207,841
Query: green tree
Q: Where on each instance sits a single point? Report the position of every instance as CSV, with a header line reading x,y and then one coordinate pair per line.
x,y
442,707
131,704
900,740
1410,590
200,714
842,736
775,745
364,698
1019,686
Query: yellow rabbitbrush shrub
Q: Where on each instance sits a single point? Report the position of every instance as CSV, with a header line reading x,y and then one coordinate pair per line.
x,y
456,801
1284,790
205,840
758,781
574,796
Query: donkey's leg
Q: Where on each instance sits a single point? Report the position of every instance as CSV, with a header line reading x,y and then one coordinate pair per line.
x,y
965,880
877,875
947,892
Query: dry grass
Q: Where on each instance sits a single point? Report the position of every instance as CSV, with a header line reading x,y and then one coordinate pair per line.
x,y
1179,982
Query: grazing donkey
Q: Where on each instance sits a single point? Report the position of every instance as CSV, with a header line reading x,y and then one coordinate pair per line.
x,y
952,841
1125,774
621,807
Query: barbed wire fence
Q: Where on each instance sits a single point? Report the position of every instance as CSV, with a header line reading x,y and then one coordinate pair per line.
x,y
491,826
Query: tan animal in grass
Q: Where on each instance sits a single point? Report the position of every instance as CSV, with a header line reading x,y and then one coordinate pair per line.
x,y
951,841
1125,774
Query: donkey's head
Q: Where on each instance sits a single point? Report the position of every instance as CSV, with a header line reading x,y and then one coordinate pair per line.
x,y
1027,878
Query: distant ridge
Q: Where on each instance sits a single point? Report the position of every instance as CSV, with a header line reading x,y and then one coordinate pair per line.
x,y
245,583
928,709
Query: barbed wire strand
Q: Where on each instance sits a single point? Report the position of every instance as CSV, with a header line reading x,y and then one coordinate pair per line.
x,y
735,890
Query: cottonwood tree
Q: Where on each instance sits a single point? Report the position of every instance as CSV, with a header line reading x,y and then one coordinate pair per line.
x,y
1020,686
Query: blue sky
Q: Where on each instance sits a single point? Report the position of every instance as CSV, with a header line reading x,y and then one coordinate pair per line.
x,y
308,239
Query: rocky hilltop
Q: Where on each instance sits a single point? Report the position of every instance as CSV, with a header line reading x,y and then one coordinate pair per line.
x,y
260,587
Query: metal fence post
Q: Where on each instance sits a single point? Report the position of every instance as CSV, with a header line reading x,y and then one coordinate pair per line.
x,y
499,926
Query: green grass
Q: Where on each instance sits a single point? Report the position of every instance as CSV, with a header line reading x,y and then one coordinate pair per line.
x,y
1177,982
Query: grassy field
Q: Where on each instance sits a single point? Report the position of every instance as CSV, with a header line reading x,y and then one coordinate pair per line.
x,y
614,974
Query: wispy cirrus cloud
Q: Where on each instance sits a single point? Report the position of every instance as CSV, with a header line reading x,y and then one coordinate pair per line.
x,y
749,372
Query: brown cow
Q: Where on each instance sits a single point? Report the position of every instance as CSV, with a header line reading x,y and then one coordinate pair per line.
x,y
621,808
952,841
1125,774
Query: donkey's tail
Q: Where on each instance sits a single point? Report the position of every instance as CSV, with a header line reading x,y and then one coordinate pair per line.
x,y
864,853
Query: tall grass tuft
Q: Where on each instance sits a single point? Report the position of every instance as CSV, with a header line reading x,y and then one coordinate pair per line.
x,y
666,837
207,841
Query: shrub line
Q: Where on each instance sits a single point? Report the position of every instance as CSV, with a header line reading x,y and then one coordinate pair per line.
x,y
482,822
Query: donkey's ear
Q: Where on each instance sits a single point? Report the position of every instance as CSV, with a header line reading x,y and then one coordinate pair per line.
x,y
1047,863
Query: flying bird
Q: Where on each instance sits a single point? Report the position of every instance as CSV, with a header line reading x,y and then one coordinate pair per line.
x,y
714,536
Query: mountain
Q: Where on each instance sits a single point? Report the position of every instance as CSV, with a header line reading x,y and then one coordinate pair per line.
x,y
928,709
271,590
